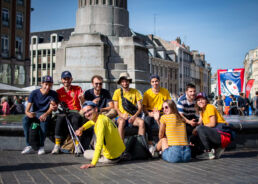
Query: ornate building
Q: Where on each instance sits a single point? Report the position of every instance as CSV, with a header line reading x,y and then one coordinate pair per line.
x,y
15,32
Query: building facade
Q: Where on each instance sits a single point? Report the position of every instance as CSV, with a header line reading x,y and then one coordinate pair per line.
x,y
251,69
15,32
43,48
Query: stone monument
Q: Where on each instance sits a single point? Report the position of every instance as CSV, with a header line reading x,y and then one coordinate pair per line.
x,y
102,43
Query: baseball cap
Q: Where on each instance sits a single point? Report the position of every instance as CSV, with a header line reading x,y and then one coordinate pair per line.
x,y
89,103
201,95
47,78
66,74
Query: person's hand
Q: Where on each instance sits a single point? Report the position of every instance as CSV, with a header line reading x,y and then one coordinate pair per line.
x,y
31,114
78,132
132,119
96,100
86,166
81,96
192,122
43,117
194,132
53,106
156,114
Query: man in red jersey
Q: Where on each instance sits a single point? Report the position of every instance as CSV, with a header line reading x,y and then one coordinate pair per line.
x,y
70,95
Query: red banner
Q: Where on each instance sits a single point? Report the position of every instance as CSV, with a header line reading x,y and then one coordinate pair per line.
x,y
248,87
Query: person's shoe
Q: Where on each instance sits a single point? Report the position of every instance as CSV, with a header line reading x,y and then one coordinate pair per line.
x,y
152,149
41,151
56,149
27,150
77,150
219,151
208,155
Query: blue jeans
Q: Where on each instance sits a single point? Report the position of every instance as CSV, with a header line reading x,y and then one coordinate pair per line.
x,y
26,122
177,154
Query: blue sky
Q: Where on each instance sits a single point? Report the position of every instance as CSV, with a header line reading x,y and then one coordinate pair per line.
x,y
225,30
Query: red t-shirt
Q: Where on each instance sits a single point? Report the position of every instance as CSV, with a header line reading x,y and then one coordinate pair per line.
x,y
71,97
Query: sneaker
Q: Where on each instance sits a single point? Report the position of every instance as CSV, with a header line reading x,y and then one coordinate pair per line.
x,y
219,151
152,149
26,150
206,155
41,151
77,150
56,149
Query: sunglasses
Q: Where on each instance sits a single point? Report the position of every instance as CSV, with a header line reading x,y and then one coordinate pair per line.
x,y
165,107
100,84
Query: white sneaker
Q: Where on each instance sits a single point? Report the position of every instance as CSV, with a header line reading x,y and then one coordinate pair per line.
x,y
152,149
77,150
219,151
56,149
41,151
207,155
27,150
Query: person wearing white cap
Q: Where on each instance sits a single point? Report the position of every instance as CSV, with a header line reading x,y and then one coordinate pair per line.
x,y
126,118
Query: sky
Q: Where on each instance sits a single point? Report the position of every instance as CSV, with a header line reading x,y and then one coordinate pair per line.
x,y
225,30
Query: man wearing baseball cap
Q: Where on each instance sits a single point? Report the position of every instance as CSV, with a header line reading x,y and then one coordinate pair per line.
x,y
71,96
38,110
132,95
109,145
153,99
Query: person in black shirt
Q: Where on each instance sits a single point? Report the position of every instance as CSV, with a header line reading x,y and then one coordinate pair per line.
x,y
101,97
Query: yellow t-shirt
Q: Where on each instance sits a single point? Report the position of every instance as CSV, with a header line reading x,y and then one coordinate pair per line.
x,y
209,111
175,130
133,95
152,100
108,138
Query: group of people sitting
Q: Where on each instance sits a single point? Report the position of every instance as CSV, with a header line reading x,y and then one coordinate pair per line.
x,y
190,128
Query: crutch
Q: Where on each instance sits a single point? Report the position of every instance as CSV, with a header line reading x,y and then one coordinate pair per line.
x,y
73,135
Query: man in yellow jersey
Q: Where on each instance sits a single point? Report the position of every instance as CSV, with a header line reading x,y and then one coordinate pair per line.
x,y
153,99
133,95
109,145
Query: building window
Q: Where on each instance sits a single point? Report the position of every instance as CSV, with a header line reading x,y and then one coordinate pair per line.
x,y
104,2
19,20
5,73
18,47
5,46
19,75
97,1
110,2
53,38
20,2
90,2
5,17
34,41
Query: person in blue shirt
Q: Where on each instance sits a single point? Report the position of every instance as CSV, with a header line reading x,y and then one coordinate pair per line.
x,y
38,110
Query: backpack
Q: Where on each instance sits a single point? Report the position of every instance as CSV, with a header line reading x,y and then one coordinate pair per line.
x,y
34,135
137,148
127,105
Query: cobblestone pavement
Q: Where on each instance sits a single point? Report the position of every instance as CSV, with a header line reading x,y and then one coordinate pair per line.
x,y
233,167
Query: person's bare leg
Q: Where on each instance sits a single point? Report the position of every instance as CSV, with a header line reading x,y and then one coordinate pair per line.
x,y
140,123
121,125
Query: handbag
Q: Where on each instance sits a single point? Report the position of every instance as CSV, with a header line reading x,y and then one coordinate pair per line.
x,y
127,105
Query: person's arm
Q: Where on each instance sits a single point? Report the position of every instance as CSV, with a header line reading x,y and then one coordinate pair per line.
x,y
109,107
27,111
139,105
44,116
190,122
162,129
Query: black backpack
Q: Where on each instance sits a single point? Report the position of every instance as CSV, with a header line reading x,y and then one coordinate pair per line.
x,y
34,135
137,148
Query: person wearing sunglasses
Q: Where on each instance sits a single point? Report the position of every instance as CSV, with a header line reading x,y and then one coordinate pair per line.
x,y
109,145
101,97
153,99
172,134
71,96
213,132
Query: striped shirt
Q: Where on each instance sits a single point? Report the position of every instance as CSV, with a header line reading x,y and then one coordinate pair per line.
x,y
175,130
186,108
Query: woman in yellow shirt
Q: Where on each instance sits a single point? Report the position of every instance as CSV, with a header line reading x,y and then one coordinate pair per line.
x,y
213,132
172,134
